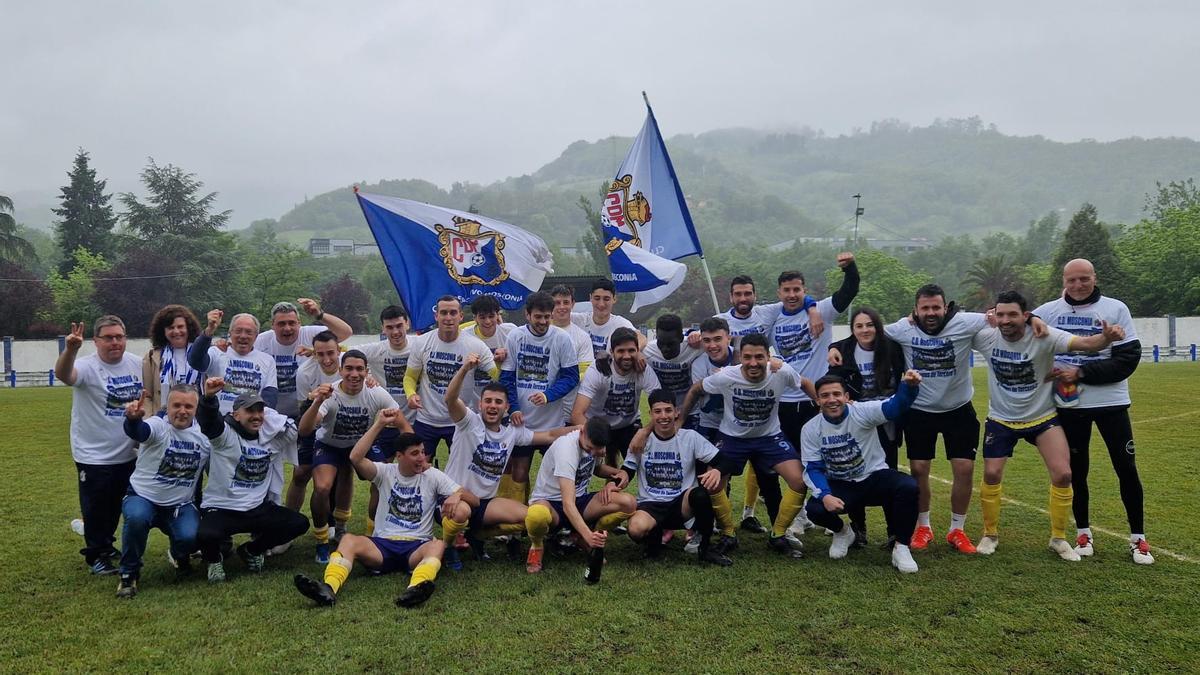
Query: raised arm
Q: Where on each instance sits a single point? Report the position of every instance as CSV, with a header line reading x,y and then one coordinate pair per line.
x,y
64,367
135,426
454,404
198,357
313,416
843,296
1109,333
899,403
208,413
689,400
364,467
340,328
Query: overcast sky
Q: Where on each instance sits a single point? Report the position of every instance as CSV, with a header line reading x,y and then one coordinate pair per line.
x,y
270,101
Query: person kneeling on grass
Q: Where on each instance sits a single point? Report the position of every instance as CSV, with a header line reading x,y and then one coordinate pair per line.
x,y
236,497
409,490
668,496
171,456
560,496
846,467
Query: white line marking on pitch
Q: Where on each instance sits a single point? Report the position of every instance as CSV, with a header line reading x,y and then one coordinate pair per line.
x,y
1168,417
1124,537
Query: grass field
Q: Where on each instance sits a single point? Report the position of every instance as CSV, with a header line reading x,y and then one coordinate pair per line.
x,y
1020,610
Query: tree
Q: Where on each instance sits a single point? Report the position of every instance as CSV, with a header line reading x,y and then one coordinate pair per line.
x,y
12,245
592,240
87,219
74,292
137,288
888,285
348,300
1161,261
1041,240
1086,237
25,298
174,205
1177,195
990,276
273,271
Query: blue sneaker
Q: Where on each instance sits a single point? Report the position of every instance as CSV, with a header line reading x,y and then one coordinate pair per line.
x,y
451,560
103,567
323,554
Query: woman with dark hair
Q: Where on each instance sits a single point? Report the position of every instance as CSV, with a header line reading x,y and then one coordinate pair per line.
x,y
172,331
872,365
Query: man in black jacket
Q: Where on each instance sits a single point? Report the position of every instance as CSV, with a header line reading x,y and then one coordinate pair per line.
x,y
1094,388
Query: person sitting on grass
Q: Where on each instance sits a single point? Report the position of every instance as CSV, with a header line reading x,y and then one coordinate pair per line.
x,y
163,483
409,491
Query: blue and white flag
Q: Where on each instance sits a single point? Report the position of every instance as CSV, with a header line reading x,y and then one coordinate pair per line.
x,y
432,251
645,221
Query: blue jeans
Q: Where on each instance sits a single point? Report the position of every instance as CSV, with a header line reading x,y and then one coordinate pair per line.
x,y
179,523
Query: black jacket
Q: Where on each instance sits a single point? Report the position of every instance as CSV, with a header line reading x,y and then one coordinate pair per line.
x,y
848,371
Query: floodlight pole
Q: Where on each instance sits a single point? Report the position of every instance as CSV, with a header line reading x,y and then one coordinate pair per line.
x,y
858,211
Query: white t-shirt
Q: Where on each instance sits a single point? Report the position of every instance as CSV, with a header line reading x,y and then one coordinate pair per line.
x,y
169,463
1017,386
793,342
536,360
388,367
617,398
408,504
712,408
239,472
98,400
751,408
942,360
478,455
346,417
438,361
850,448
599,332
667,469
564,459
1084,320
245,374
309,376
760,319
584,355
674,375
498,340
286,363
175,370
865,361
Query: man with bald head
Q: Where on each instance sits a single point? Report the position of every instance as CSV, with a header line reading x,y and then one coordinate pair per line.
x,y
1094,388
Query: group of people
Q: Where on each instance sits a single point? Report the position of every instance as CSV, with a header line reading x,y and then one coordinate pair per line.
x,y
193,438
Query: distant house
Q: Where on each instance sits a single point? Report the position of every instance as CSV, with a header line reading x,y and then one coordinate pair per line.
x,y
907,245
324,247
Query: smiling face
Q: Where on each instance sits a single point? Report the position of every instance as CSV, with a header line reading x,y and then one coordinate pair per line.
x,y
669,341
563,304
493,406
832,398
754,362
396,331
287,327
864,330
412,460
251,418
241,335
791,294
716,344
663,416
177,333
539,321
181,408
448,314
931,309
742,297
602,303
354,374
487,322
326,353
624,356
1011,320
1079,279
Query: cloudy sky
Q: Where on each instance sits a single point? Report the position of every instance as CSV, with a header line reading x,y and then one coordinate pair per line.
x,y
270,101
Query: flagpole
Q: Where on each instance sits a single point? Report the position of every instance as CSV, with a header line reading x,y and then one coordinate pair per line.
x,y
703,263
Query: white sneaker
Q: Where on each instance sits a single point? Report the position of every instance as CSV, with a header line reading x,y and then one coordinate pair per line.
x,y
840,544
77,526
902,559
1064,550
693,544
1141,552
1083,545
747,513
793,541
987,545
280,549
800,524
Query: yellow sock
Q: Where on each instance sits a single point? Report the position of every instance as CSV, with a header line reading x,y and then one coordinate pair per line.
x,y
321,534
450,529
341,516
1060,509
537,522
751,489
370,526
723,510
789,508
610,521
426,570
337,571
989,502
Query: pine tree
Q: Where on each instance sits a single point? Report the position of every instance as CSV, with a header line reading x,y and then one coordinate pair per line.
x,y
174,206
12,245
87,220
1086,237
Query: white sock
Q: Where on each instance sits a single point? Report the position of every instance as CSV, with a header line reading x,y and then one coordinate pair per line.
x,y
1133,538
923,519
958,521
747,512
1083,530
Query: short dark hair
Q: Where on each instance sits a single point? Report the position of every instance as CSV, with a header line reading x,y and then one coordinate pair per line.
x,y
714,323
485,304
1008,297
620,336
563,289
660,396
669,323
166,316
929,291
541,301
829,379
603,284
740,280
354,354
405,440
496,387
754,340
326,336
393,312
598,431
447,298
790,275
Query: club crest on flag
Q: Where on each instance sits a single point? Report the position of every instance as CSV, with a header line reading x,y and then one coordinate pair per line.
x,y
471,255
624,214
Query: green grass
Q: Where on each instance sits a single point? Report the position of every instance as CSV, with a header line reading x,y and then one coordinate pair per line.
x,y
1020,610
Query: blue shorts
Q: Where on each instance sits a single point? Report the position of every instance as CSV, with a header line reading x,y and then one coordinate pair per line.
x,y
476,522
581,504
999,440
528,450
763,452
384,449
431,435
324,454
396,552
304,449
